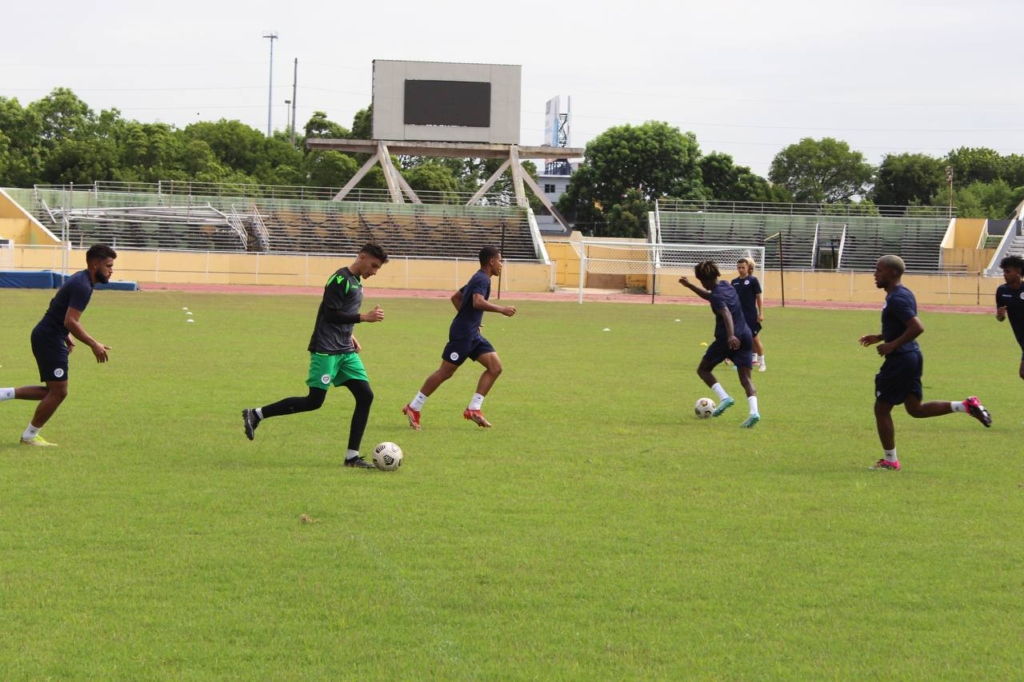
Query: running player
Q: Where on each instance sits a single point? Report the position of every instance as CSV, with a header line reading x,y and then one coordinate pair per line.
x,y
466,341
334,353
732,339
898,382
749,291
1010,300
53,340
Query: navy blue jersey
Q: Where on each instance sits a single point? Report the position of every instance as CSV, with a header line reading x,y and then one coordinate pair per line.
x,y
748,288
900,307
724,296
1013,301
75,293
466,324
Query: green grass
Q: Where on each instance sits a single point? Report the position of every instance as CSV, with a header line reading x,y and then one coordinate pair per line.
x,y
598,531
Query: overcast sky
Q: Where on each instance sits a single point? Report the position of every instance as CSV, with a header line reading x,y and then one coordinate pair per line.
x,y
749,78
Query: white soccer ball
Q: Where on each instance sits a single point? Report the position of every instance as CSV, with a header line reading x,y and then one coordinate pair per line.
x,y
387,456
703,407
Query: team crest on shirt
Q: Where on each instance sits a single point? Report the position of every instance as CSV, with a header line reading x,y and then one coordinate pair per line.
x,y
454,357
325,379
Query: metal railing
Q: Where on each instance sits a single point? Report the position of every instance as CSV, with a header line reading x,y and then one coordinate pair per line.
x,y
775,208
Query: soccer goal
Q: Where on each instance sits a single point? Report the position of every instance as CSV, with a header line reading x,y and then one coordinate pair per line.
x,y
647,262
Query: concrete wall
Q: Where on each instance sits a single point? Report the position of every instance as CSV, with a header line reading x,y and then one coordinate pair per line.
x,y
19,226
175,267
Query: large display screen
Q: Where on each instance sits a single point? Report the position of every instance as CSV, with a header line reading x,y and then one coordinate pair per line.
x,y
448,103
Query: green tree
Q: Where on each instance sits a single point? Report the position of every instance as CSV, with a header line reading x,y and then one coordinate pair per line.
x,y
625,170
725,181
20,149
908,180
320,127
975,164
821,171
983,199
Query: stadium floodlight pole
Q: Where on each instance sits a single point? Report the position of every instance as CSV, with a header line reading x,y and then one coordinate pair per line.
x,y
295,81
272,36
782,265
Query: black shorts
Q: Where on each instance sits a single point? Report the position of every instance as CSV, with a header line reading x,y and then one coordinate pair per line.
x,y
899,377
755,327
718,351
51,352
458,350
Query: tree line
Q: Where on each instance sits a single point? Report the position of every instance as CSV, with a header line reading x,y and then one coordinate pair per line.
x,y
59,139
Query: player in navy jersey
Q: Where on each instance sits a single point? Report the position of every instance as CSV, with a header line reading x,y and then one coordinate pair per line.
x,y
466,341
749,291
733,340
53,340
1010,300
898,382
334,353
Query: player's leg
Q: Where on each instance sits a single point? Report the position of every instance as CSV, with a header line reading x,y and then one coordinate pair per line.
x,y
748,386
442,374
488,357
51,354
715,354
759,352
894,385
56,392
886,436
363,394
322,370
352,375
1020,371
23,393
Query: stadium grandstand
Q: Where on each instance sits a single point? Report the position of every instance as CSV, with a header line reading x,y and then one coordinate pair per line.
x,y
810,236
279,220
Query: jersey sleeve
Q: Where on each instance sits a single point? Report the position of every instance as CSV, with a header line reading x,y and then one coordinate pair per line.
x,y
904,308
755,285
79,297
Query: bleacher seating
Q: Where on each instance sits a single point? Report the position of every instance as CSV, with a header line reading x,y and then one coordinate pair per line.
x,y
219,223
864,238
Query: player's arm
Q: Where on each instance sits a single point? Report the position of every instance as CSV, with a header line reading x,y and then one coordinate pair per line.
x,y
730,328
914,329
73,323
760,310
700,291
457,299
481,303
1000,309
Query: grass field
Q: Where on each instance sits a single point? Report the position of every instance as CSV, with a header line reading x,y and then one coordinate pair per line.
x,y
598,531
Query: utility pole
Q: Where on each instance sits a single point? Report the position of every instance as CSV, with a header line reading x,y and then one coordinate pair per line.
x,y
295,81
272,36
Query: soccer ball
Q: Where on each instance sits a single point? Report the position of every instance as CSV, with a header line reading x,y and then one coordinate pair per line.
x,y
387,456
703,407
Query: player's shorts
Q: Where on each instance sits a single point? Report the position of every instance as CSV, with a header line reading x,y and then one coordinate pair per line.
x,y
719,350
899,377
325,370
755,328
458,350
51,352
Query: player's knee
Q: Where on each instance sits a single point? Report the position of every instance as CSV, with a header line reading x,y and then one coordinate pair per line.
x,y
363,394
58,392
315,399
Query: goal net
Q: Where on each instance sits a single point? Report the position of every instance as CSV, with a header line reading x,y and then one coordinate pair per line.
x,y
644,263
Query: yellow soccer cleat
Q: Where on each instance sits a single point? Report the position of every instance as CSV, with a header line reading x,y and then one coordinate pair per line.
x,y
38,441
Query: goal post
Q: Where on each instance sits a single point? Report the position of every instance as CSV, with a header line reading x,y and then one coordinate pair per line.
x,y
647,261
